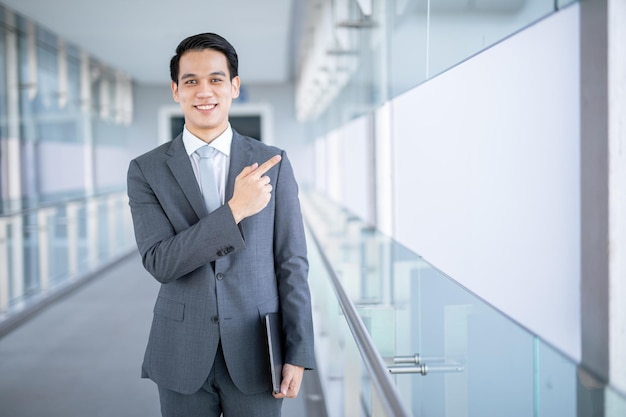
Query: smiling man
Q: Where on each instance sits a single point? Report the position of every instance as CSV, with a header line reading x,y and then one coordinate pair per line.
x,y
217,222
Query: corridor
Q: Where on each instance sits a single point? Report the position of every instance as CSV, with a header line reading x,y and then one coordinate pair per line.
x,y
82,355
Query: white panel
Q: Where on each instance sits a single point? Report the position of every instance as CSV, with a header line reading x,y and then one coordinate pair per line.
x,y
487,161
303,162
62,73
384,169
85,83
11,163
31,57
62,167
355,167
334,179
105,97
321,164
111,166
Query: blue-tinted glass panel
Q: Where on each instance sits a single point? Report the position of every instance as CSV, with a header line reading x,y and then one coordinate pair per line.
x,y
461,29
408,44
563,3
3,112
354,75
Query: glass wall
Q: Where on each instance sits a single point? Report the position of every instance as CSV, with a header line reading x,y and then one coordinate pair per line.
x,y
365,56
58,105
64,118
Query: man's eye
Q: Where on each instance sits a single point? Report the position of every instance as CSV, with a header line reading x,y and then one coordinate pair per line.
x,y
190,82
216,80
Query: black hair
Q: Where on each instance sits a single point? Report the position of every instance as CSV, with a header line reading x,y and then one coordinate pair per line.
x,y
201,42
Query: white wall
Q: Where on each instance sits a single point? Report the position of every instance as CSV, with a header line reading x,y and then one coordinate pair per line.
x,y
356,167
343,167
487,176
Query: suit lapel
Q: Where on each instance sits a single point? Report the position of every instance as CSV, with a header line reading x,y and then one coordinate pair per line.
x,y
178,162
183,172
240,157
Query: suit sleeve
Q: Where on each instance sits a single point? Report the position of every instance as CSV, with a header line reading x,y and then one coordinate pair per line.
x,y
169,247
292,270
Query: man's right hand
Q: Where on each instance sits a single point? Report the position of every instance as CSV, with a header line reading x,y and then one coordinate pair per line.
x,y
252,189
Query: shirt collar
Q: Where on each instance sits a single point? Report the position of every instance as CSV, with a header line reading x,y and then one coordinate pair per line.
x,y
221,143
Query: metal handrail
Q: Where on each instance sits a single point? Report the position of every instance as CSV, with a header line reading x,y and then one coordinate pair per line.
x,y
374,362
59,203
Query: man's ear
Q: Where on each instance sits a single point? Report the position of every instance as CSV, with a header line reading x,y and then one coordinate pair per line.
x,y
175,91
236,83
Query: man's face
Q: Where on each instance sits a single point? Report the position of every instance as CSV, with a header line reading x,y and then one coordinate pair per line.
x,y
205,92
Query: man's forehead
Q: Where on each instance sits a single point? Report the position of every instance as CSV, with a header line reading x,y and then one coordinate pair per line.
x,y
211,74
205,61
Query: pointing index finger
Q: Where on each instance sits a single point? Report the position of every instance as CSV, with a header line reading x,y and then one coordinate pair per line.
x,y
263,168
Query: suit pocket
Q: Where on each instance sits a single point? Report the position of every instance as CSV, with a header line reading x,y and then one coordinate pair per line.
x,y
169,308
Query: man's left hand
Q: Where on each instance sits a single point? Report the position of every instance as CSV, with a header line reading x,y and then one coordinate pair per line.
x,y
292,379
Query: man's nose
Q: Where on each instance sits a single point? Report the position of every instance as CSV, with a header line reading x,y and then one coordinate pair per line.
x,y
205,90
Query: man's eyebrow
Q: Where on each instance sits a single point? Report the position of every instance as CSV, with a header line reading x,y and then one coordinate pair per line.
x,y
191,75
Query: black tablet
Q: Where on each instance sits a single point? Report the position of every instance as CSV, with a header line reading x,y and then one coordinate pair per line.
x,y
274,329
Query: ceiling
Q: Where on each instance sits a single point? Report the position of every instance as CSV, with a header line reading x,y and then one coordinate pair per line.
x,y
139,37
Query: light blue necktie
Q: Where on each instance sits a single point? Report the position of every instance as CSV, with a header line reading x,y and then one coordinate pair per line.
x,y
208,183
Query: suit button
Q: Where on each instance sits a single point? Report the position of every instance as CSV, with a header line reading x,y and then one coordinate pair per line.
x,y
219,276
225,251
215,319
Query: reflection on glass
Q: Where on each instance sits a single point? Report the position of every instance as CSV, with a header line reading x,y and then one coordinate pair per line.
x,y
459,30
407,42
408,45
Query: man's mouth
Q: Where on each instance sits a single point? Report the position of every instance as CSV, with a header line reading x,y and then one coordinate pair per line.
x,y
206,106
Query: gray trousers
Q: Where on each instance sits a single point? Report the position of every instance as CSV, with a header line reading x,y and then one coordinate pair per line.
x,y
219,396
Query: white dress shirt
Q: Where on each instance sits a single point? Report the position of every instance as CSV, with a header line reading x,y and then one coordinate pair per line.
x,y
221,158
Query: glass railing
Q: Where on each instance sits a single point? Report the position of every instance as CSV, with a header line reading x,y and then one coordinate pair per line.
x,y
47,250
448,352
354,377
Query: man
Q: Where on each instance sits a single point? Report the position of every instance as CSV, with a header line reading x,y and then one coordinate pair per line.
x,y
222,268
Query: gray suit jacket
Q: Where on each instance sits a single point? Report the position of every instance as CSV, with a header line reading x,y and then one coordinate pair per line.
x,y
218,278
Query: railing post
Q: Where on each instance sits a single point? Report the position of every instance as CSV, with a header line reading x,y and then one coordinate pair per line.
x,y
92,231
112,219
44,239
16,277
128,222
72,238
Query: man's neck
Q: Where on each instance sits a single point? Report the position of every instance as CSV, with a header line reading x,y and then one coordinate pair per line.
x,y
208,135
